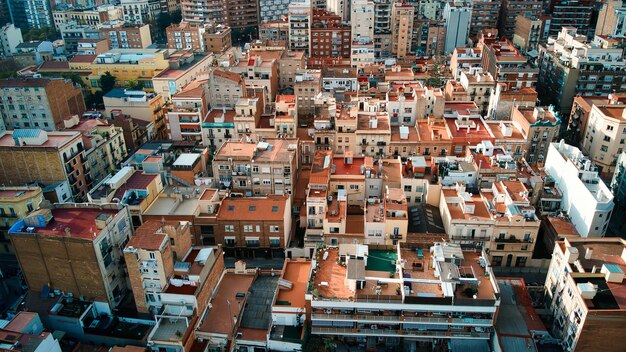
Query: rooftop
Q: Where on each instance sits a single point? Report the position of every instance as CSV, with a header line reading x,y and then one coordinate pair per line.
x,y
297,273
257,314
227,302
271,208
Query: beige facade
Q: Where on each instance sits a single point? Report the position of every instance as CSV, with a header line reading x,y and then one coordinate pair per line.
x,y
605,137
401,29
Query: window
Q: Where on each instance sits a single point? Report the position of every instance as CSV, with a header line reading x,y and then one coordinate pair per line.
x,y
30,207
274,228
500,247
274,242
152,255
229,228
248,228
252,242
229,242
407,188
354,187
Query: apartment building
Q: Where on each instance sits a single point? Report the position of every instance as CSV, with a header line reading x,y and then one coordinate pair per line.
x,y
217,38
203,11
401,29
139,65
185,67
92,16
577,14
362,18
10,38
218,127
138,104
586,199
457,17
347,291
29,14
307,85
258,169
594,68
105,147
330,37
134,189
123,35
607,127
290,62
300,19
540,126
381,45
225,88
466,216
254,227
479,88
39,102
140,11
186,113
242,16
272,11
275,30
16,203
508,66
618,181
510,11
76,249
49,158
260,70
485,14
465,59
582,289
611,19
528,32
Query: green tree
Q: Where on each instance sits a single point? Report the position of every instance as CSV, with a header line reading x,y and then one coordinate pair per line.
x,y
8,68
107,82
134,85
317,344
43,33
435,74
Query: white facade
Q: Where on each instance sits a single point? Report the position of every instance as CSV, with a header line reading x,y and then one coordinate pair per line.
x,y
10,37
586,199
362,21
300,18
457,17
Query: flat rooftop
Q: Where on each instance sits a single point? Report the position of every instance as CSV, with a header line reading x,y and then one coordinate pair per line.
x,y
54,140
226,304
297,273
258,311
79,222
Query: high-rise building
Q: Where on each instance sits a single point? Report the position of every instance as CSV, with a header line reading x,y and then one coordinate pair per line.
x,y
242,16
273,10
330,36
300,18
401,29
611,19
457,16
572,13
382,31
26,14
10,38
76,249
485,15
200,11
511,9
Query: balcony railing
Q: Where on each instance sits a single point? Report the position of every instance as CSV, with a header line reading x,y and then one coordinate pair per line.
x,y
403,332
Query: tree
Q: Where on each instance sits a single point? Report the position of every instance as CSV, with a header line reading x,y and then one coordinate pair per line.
x,y
134,85
435,74
107,82
317,344
43,33
8,68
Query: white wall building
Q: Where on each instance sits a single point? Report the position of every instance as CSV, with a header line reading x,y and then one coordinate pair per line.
x,y
10,37
586,199
457,16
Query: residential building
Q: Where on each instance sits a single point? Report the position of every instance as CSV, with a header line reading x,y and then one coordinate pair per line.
x,y
401,29
275,30
27,328
10,38
457,17
528,32
582,287
16,203
611,19
140,11
254,227
225,88
592,69
540,126
272,11
338,306
135,131
258,169
618,181
72,33
45,157
288,64
27,14
578,14
307,85
123,35
586,199
242,16
260,71
139,65
76,249
362,18
514,10
138,104
39,103
465,59
184,68
508,66
218,127
92,16
34,53
485,14
607,128
330,37
105,147
300,19
217,38
186,114
203,11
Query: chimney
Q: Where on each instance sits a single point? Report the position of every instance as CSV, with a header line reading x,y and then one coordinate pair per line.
x,y
588,253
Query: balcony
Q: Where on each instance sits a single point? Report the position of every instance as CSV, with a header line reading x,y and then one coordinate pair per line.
x,y
512,239
398,333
